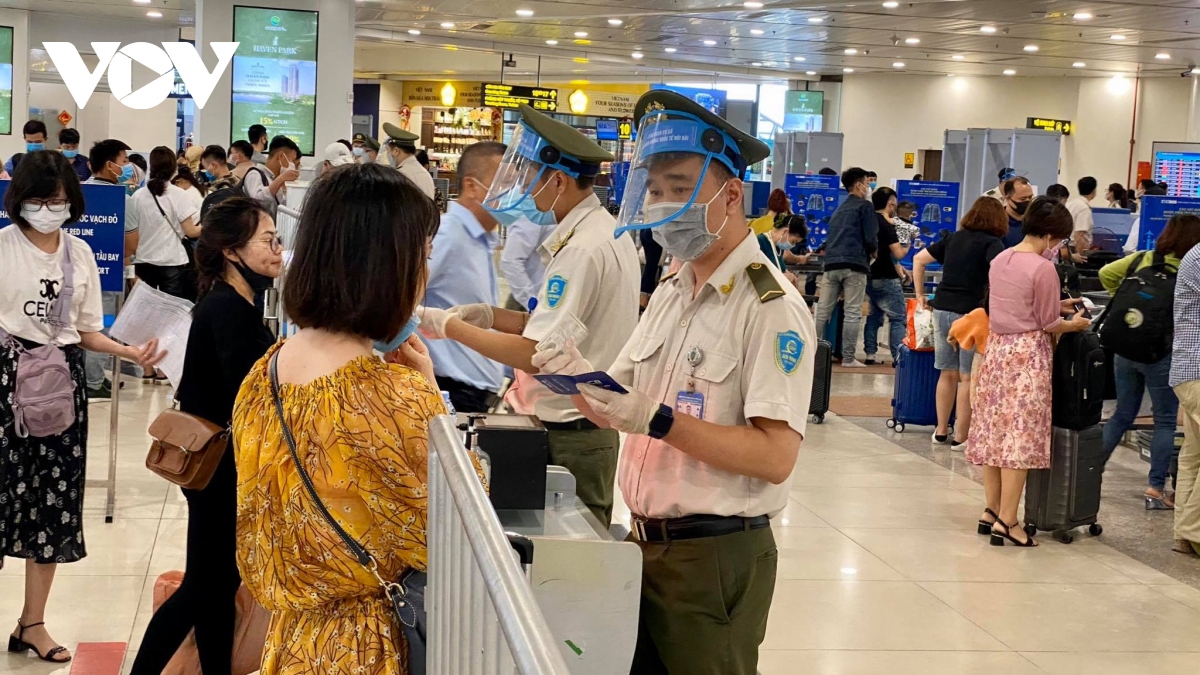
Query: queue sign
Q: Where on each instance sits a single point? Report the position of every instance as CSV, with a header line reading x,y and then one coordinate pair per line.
x,y
511,96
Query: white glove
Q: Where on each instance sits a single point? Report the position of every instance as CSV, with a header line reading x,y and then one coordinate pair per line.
x,y
433,322
630,413
478,314
566,361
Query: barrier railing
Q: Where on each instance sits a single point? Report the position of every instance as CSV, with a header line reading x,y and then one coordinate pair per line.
x,y
482,615
286,219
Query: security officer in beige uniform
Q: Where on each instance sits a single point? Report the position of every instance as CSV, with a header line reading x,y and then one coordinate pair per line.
x,y
592,279
719,375
402,154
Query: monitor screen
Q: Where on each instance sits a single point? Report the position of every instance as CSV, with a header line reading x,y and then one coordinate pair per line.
x,y
803,110
1179,169
606,130
275,74
6,79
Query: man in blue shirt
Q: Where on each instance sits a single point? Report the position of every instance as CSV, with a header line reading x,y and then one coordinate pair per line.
x,y
1018,193
462,273
68,145
1185,378
34,132
521,262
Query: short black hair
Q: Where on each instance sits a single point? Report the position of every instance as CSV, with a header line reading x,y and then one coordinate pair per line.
x,y
827,171
1147,183
140,162
215,152
881,196
473,158
229,224
68,137
1047,217
1059,192
243,147
359,264
256,132
852,176
1163,185
917,176
346,143
796,225
34,127
422,158
872,174
910,206
1087,185
38,176
104,152
282,142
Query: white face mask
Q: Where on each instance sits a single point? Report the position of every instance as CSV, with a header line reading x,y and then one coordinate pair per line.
x,y
686,236
42,219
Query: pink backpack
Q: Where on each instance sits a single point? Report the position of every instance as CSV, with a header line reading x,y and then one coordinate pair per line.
x,y
44,391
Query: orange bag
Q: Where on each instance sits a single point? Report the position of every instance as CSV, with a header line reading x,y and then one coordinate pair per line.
x,y
249,631
919,340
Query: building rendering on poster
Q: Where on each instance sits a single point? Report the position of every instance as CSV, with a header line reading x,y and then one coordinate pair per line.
x,y
275,74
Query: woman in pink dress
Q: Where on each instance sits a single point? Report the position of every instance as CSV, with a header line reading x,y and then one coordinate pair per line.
x,y
1011,431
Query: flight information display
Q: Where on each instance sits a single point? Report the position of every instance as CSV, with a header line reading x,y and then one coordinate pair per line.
x,y
1180,171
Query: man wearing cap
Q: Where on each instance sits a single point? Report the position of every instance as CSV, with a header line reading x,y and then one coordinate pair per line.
x,y
365,148
591,279
997,193
336,154
719,376
402,155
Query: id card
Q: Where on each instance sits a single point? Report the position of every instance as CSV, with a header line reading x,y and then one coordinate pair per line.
x,y
690,403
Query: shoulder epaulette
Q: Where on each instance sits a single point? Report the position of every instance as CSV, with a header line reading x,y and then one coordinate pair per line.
x,y
765,284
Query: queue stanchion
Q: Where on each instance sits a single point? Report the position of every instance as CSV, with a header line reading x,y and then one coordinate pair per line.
x,y
109,483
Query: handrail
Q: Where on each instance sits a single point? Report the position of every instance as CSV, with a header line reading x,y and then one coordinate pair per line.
x,y
459,632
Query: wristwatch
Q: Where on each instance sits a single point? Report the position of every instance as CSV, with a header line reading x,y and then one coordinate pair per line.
x,y
661,423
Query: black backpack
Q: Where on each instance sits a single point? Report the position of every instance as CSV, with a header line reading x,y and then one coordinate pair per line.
x,y
1078,381
238,189
1139,322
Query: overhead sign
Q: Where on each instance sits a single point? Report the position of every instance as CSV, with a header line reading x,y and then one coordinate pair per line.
x,y
508,96
910,159
181,57
1046,124
625,129
430,93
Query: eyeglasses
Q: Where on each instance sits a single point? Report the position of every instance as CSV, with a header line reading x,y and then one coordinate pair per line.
x,y
54,205
275,242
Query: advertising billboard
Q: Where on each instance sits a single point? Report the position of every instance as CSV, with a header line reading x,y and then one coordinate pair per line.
x,y
275,74
802,111
6,79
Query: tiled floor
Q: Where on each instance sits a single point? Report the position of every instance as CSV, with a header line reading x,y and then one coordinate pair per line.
x,y
879,571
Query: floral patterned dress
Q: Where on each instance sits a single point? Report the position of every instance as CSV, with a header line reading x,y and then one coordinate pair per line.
x,y
362,433
1011,424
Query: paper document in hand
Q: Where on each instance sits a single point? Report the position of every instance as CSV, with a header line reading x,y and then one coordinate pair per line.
x,y
149,313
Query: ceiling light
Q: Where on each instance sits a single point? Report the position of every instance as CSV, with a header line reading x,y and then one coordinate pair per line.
x,y
898,64
142,2
615,22
810,72
756,64
1079,64
1010,71
958,57
769,64
581,33
815,19
797,58
912,41
987,29
549,42
525,12
891,4
154,15
752,5
1116,36
850,50
413,31
637,55
447,25
756,31
847,70
1196,70
710,43
670,50
1082,16
949,74
1031,48
1162,56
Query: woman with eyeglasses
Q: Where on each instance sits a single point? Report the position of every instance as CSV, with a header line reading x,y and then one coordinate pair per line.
x,y
41,464
237,256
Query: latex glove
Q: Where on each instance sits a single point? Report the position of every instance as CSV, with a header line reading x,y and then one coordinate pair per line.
x,y
478,314
561,362
433,322
630,413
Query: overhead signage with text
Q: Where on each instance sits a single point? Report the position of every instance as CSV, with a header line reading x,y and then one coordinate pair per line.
x,y
430,93
1156,211
509,96
275,74
1046,124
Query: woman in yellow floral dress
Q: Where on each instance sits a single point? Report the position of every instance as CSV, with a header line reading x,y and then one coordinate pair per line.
x,y
360,424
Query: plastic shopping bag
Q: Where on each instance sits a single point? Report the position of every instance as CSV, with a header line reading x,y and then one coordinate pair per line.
x,y
249,638
920,335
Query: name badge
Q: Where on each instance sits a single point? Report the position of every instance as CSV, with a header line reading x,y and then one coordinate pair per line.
x,y
690,403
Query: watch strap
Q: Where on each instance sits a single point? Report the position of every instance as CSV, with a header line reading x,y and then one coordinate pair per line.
x,y
660,424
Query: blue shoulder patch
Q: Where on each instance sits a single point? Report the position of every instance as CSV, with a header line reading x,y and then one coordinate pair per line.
x,y
788,350
556,287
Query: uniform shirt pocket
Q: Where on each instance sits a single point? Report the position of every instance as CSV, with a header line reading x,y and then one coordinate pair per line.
x,y
712,379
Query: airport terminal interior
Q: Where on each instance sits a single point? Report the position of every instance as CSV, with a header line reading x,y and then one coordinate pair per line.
x,y
928,109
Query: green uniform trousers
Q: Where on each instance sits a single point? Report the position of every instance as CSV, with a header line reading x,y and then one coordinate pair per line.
x,y
591,456
704,604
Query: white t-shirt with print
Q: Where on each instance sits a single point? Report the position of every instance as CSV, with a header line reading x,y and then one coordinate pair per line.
x,y
159,243
33,278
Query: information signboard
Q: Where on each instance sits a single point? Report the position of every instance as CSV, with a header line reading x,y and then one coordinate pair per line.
x,y
509,96
1154,213
275,74
936,214
816,198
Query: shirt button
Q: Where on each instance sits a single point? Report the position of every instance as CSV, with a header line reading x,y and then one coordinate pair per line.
x,y
683,324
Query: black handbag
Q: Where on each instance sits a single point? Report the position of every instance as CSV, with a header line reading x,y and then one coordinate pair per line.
x,y
408,594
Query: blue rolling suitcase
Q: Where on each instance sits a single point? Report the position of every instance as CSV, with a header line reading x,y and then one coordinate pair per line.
x,y
914,400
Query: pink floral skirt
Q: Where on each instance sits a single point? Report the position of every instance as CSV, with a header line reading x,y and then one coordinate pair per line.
x,y
1010,419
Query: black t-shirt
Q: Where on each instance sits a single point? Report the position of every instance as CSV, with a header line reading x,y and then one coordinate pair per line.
x,y
966,257
883,267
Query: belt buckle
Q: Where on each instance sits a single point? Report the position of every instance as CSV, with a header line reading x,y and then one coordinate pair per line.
x,y
639,528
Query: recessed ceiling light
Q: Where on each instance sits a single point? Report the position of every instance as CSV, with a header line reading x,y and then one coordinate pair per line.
x,y
1079,64
850,50
710,43
1082,16
891,4
615,22
447,25
154,15
551,42
752,5
898,64
1162,56
797,58
525,12
756,31
143,2
949,74
670,50
810,72
987,29
756,64
815,19
769,64
1010,71
637,55
847,70
413,31
1116,36
912,41
1031,48
958,57
581,33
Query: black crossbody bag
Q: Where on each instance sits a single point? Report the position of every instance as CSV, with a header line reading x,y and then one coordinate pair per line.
x,y
408,594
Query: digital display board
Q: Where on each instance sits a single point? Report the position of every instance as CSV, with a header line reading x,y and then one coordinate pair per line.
x,y
1046,124
6,79
510,96
275,74
1180,171
606,130
803,110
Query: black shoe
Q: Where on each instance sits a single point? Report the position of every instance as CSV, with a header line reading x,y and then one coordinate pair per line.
x,y
1005,534
101,393
870,361
985,528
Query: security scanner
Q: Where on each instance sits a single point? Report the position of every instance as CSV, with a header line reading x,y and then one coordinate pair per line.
x,y
1034,153
804,152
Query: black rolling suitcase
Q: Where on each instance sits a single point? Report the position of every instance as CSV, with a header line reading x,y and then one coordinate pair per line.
x,y
822,381
1067,495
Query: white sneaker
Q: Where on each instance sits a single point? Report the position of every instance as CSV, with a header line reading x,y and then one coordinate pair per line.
x,y
854,364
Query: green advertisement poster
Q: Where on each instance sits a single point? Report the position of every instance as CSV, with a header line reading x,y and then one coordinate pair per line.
x,y
6,79
275,74
802,110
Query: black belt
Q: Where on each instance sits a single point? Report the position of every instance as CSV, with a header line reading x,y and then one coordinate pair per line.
x,y
693,527
575,425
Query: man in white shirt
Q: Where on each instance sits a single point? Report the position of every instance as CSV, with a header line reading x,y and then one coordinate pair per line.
x,y
1080,207
263,184
402,155
521,262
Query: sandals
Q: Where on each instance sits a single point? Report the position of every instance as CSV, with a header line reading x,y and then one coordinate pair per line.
x,y
999,536
985,528
1163,502
17,645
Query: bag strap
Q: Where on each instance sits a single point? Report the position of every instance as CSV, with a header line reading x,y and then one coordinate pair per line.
x,y
170,222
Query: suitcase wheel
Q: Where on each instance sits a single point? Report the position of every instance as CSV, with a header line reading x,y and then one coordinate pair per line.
x,y
1066,537
891,423
898,427
1095,529
1030,530
818,419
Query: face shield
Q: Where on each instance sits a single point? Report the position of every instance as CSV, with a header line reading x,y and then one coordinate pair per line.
x,y
673,155
527,162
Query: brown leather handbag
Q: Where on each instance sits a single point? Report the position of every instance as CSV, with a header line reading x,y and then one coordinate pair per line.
x,y
186,448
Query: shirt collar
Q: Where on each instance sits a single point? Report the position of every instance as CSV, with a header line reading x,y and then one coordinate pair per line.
x,y
407,160
573,219
725,278
471,224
